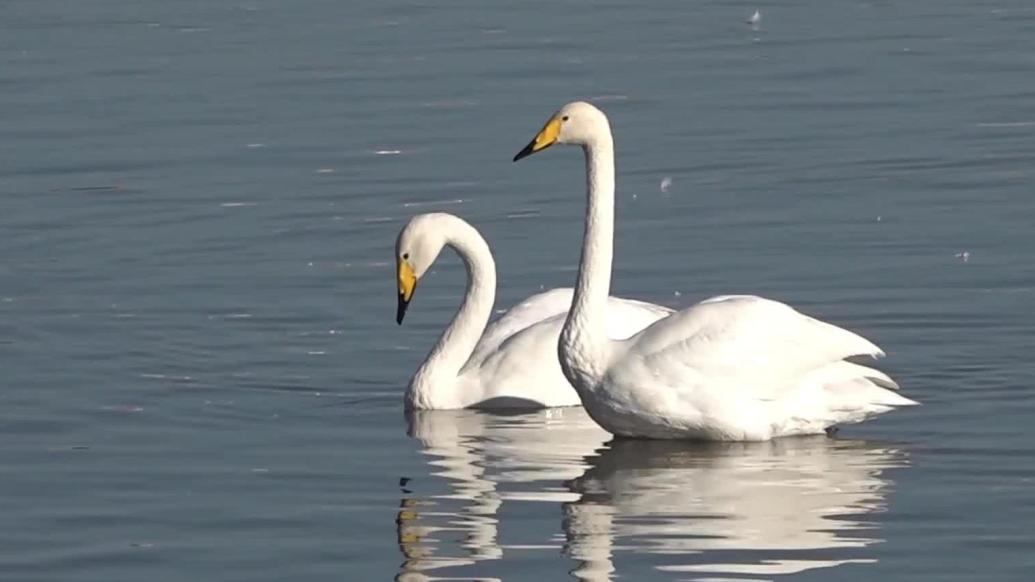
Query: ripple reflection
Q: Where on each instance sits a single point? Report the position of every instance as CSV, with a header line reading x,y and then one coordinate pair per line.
x,y
531,455
722,511
704,511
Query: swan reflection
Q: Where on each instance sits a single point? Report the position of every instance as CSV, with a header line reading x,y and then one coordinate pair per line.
x,y
487,459
693,511
710,511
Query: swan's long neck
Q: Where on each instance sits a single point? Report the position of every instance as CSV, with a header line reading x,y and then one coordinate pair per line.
x,y
582,348
436,380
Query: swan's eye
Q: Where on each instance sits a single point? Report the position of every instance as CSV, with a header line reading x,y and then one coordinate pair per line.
x,y
565,118
406,256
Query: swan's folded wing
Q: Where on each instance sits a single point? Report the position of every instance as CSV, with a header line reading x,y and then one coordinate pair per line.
x,y
535,346
625,317
743,340
531,311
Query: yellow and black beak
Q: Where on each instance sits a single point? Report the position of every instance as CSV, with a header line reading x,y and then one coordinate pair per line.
x,y
407,283
544,139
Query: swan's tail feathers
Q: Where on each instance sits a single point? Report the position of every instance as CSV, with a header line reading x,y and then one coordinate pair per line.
x,y
865,395
850,370
849,393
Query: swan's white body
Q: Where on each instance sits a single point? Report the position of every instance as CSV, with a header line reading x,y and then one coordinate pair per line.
x,y
728,368
511,363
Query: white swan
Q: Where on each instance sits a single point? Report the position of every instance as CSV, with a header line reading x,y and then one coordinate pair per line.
x,y
511,363
729,368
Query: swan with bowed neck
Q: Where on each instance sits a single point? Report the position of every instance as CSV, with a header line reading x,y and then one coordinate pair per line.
x,y
729,368
511,363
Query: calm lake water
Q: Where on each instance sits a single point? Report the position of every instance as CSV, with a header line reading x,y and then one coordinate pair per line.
x,y
202,377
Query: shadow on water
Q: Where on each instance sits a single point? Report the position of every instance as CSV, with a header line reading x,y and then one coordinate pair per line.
x,y
702,510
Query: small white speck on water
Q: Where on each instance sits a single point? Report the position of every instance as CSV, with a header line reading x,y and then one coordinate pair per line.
x,y
255,145
432,203
880,218
755,19
665,184
316,353
237,204
387,152
677,294
963,256
231,316
127,408
325,171
168,377
635,196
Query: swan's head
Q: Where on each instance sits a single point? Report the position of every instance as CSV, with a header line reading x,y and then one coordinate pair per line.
x,y
416,249
577,123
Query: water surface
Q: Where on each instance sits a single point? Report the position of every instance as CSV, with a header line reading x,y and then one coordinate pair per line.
x,y
202,376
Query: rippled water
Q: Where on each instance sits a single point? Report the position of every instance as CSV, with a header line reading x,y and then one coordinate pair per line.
x,y
202,376
758,509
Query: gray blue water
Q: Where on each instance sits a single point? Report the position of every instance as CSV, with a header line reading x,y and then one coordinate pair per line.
x,y
202,376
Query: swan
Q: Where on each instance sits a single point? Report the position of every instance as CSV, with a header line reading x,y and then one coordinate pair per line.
x,y
731,368
511,363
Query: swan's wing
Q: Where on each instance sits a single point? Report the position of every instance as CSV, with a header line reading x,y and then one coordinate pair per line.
x,y
625,317
531,352
746,341
742,368
529,312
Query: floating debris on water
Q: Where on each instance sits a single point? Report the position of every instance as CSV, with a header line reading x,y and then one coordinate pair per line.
x,y
755,19
666,183
963,256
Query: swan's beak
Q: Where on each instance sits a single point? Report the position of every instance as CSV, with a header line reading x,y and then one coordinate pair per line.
x,y
544,139
407,283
